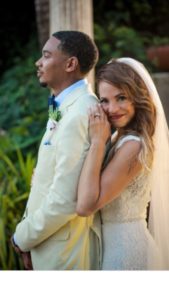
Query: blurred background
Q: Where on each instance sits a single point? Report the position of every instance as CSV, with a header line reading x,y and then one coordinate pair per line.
x,y
138,29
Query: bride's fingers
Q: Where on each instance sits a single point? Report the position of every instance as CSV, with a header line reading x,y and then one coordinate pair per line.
x,y
91,114
102,113
98,110
96,113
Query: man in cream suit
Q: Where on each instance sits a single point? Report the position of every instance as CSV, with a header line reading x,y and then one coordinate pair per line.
x,y
51,236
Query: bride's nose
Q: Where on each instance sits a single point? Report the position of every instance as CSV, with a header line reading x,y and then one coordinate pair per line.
x,y
113,107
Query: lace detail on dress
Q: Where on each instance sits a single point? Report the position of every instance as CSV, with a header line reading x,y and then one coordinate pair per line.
x,y
133,201
131,204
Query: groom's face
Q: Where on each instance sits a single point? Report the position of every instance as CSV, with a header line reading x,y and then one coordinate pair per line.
x,y
51,66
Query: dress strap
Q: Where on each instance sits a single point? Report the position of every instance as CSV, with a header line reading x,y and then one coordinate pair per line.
x,y
126,139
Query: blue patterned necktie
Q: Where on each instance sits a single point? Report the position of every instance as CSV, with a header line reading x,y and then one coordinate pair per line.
x,y
51,101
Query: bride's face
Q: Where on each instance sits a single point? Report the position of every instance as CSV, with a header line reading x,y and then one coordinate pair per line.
x,y
116,104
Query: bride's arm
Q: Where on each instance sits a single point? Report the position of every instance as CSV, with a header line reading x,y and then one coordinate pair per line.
x,y
89,183
95,189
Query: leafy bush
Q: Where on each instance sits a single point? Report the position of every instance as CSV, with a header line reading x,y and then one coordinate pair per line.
x,y
23,107
15,176
119,41
23,113
118,32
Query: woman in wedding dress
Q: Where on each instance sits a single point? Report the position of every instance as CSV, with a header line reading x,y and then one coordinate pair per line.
x,y
124,174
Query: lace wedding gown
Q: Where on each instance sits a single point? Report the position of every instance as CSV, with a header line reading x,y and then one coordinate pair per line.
x,y
126,239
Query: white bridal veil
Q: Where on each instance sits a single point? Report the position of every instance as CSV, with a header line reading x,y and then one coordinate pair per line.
x,y
159,205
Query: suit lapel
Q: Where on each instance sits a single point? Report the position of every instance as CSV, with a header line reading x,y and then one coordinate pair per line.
x,y
73,96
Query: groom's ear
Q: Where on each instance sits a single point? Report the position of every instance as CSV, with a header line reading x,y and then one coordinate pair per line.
x,y
71,64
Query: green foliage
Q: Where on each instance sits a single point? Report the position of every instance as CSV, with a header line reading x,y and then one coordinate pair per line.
x,y
23,107
24,114
15,177
128,28
146,17
119,41
158,41
115,35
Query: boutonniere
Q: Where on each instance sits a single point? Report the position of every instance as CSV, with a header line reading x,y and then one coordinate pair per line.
x,y
54,118
54,113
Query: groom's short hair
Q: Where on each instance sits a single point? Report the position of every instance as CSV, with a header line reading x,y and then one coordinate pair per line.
x,y
80,45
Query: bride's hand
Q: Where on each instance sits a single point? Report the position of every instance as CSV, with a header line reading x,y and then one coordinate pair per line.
x,y
99,127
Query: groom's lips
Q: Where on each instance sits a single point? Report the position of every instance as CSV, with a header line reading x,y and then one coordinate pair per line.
x,y
39,73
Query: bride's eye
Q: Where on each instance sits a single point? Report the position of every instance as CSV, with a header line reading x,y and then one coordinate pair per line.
x,y
103,100
122,98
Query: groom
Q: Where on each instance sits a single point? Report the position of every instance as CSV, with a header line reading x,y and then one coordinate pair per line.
x,y
51,236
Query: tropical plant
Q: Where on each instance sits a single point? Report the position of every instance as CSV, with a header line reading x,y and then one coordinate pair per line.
x,y
23,107
15,176
23,113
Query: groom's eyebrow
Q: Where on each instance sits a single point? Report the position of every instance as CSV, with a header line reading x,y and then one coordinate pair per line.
x,y
46,51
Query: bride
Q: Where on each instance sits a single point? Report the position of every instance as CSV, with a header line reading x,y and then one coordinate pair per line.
x,y
134,172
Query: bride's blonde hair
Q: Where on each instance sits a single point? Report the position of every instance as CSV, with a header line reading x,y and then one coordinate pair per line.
x,y
143,124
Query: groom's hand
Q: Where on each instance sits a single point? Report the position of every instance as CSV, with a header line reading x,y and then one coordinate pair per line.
x,y
26,256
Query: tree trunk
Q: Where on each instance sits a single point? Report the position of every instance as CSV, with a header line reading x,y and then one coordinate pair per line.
x,y
72,15
42,18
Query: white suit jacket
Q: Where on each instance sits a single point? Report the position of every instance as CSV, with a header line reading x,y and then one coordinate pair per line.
x,y
57,238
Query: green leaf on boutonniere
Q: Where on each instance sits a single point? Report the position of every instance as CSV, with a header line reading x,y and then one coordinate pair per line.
x,y
54,114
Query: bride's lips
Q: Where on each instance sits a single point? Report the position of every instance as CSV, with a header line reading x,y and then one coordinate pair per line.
x,y
115,117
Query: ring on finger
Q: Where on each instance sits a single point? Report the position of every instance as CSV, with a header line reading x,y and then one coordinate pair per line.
x,y
97,115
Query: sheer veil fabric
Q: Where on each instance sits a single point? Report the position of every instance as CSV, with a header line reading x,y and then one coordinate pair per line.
x,y
159,206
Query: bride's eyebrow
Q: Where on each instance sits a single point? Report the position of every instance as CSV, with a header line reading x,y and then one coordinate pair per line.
x,y
120,94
